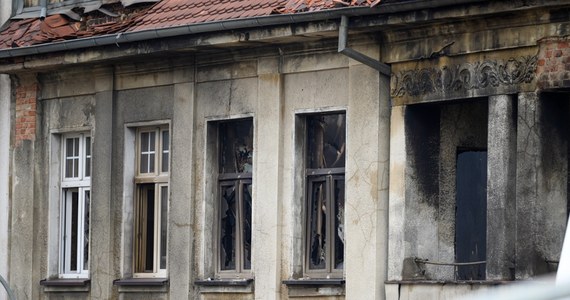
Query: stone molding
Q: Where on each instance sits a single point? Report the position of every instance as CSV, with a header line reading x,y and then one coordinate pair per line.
x,y
464,77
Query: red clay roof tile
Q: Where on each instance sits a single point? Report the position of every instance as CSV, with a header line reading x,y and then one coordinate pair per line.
x,y
166,13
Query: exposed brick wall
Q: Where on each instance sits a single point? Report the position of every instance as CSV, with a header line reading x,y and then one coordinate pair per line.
x,y
25,123
553,69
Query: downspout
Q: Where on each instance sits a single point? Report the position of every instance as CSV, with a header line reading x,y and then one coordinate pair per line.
x,y
7,287
381,67
43,11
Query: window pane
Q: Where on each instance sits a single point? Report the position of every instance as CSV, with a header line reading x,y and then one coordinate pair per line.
x,y
317,225
151,163
86,220
149,257
74,230
165,150
72,158
326,141
228,227
144,163
144,141
144,235
147,152
163,225
338,223
87,157
236,146
247,198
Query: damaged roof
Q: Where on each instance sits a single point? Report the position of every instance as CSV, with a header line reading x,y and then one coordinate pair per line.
x,y
116,18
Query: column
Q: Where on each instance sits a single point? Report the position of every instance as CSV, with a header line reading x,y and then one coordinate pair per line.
x,y
367,164
102,180
268,168
397,194
501,173
23,183
180,231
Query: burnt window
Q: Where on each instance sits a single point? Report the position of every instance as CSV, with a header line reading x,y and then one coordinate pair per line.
x,y
325,194
235,163
471,213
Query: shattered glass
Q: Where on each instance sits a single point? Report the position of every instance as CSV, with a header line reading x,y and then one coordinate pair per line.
x,y
228,225
318,218
326,141
236,149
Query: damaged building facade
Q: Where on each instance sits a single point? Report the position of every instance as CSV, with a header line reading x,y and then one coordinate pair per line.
x,y
261,149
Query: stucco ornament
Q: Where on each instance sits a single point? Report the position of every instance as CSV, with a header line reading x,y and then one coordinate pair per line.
x,y
464,77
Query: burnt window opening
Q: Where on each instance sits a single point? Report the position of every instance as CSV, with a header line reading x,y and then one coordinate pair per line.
x,y
235,163
325,188
471,213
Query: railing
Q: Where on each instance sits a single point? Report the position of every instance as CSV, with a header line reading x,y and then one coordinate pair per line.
x,y
7,287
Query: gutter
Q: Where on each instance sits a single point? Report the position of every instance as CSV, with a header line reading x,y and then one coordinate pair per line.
x,y
234,24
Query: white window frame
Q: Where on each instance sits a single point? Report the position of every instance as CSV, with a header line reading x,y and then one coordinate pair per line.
x,y
82,184
159,179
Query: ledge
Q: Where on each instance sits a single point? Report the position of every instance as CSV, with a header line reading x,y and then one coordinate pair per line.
x,y
224,282
226,286
61,285
314,282
304,288
141,282
458,282
142,285
65,282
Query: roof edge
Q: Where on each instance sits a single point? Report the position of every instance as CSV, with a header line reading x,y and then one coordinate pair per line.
x,y
281,19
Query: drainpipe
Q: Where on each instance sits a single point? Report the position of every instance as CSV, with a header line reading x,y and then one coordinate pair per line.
x,y
7,287
381,67
43,11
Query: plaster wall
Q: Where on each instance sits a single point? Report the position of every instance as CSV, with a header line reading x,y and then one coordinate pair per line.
x,y
277,93
423,213
542,182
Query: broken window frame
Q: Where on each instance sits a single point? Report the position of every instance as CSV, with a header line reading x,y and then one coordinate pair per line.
x,y
75,212
328,175
239,181
154,176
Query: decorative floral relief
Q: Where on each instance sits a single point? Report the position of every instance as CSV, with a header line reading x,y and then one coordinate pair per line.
x,y
464,77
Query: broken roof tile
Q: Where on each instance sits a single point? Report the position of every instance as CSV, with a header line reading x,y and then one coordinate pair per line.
x,y
165,13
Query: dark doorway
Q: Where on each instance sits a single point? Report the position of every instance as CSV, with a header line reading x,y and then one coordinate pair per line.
x,y
471,213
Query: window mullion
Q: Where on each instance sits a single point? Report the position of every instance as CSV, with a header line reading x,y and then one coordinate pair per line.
x,y
157,147
80,228
66,232
329,222
156,233
239,228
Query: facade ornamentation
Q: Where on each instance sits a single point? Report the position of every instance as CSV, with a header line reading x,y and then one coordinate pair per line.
x,y
464,77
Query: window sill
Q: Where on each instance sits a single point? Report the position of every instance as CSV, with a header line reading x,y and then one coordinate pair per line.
x,y
66,285
458,282
224,282
314,282
135,285
302,288
225,285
